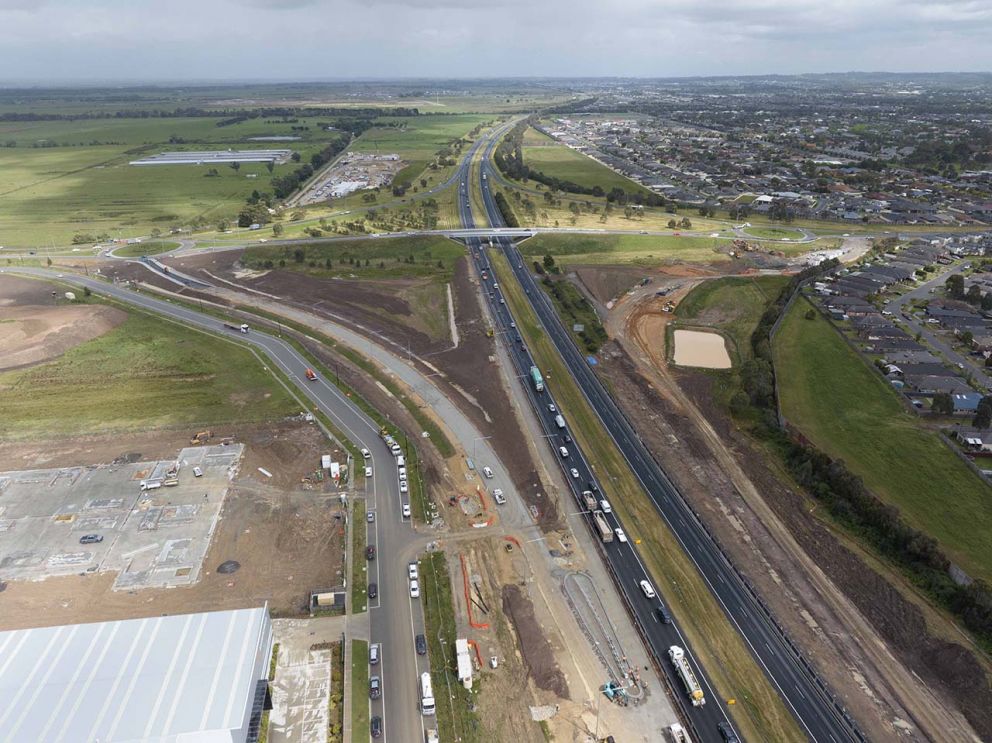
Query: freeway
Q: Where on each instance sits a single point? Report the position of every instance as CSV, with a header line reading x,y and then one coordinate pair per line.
x,y
394,617
815,708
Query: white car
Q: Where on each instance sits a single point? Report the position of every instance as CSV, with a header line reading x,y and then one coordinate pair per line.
x,y
402,474
414,589
366,454
368,472
403,486
413,571
488,473
563,451
552,408
605,506
406,510
620,535
575,473
499,497
197,472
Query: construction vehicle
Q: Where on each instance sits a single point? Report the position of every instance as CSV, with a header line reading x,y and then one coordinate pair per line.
x,y
684,670
605,532
615,693
535,375
242,328
591,503
310,375
201,437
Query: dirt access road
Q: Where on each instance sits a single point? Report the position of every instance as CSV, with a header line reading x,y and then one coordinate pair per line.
x,y
717,472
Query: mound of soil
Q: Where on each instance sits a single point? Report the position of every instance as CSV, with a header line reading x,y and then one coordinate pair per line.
x,y
32,334
535,649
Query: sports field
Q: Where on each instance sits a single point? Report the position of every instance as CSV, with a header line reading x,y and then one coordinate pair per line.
x,y
843,407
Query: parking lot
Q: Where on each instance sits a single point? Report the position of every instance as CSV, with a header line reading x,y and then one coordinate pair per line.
x,y
152,538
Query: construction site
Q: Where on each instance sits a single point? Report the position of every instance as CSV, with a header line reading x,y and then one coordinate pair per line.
x,y
353,171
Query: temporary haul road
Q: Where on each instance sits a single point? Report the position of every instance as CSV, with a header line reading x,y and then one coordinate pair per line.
x,y
817,712
394,617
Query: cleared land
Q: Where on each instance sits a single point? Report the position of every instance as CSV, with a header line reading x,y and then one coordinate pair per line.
x,y
759,709
828,392
543,153
146,373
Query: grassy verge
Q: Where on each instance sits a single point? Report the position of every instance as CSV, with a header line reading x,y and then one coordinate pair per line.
x,y
360,691
759,710
829,393
455,718
359,565
146,373
335,712
147,248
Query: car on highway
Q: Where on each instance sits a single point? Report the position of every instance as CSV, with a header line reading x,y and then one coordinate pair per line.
x,y
513,325
592,486
605,506
488,473
375,687
366,454
413,571
567,439
621,536
727,732
575,473
648,589
563,451
414,589
421,643
368,472
406,510
90,538
375,727
502,301
552,408
663,616
370,552
373,590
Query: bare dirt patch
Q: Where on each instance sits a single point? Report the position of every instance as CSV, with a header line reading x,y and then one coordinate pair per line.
x,y
36,328
536,651
288,541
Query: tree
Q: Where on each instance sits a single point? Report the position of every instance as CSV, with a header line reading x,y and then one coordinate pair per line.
x,y
549,261
942,404
974,295
270,166
983,415
235,166
967,337
672,224
299,255
86,291
954,286
277,230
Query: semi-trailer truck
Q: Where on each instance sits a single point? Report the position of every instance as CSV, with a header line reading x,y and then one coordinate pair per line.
x,y
684,671
535,375
243,327
605,532
590,500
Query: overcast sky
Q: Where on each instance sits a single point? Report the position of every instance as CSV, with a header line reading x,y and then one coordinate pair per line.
x,y
65,40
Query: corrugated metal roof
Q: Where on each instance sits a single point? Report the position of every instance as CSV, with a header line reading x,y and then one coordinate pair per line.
x,y
136,679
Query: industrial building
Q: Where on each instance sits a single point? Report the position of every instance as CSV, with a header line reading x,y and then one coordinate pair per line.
x,y
216,157
194,678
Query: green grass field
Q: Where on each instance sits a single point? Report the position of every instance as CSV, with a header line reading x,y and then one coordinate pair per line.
x,y
732,305
360,718
388,258
146,373
543,153
759,709
359,565
774,233
152,247
645,250
844,408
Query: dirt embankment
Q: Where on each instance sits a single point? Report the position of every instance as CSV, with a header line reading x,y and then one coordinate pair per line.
x,y
37,326
537,653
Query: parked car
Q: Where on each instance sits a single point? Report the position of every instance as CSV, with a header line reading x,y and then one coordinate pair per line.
x,y
373,590
368,472
370,516
90,538
406,510
421,643
370,552
413,571
366,454
375,687
197,472
414,589
376,726
374,654
403,486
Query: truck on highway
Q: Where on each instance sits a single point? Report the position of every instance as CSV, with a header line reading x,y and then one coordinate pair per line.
x,y
311,375
684,671
426,694
590,500
559,421
604,529
535,375
242,328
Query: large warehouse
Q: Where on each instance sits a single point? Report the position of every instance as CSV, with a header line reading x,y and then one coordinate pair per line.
x,y
194,678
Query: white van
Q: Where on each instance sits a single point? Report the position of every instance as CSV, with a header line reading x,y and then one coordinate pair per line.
x,y
402,473
648,590
605,506
563,451
559,421
400,461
